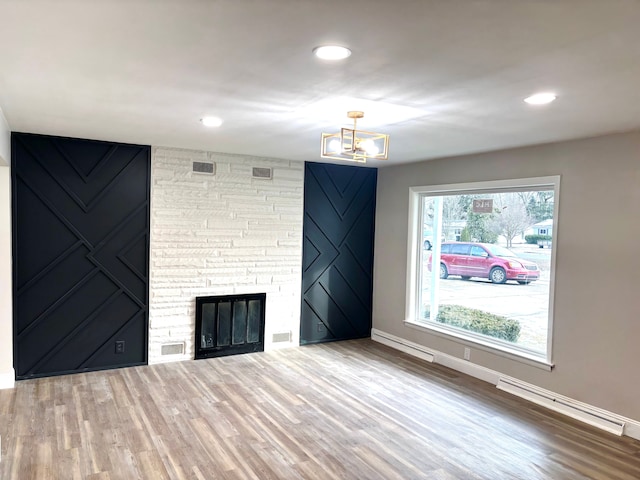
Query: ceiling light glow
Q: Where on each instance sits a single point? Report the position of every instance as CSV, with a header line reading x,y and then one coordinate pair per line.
x,y
379,113
331,52
211,121
541,98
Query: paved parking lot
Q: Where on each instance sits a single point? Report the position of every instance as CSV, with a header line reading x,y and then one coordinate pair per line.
x,y
526,303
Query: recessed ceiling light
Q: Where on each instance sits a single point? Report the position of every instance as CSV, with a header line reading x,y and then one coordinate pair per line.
x,y
540,98
211,121
331,52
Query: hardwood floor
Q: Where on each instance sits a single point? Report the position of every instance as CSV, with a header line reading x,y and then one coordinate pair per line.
x,y
344,410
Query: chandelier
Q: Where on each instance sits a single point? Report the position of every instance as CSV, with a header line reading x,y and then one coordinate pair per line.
x,y
353,144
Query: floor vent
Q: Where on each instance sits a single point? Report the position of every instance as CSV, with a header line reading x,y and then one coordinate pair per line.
x,y
172,349
281,337
580,411
204,167
261,172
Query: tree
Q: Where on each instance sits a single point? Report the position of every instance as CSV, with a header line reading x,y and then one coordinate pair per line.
x,y
454,209
479,227
540,205
511,218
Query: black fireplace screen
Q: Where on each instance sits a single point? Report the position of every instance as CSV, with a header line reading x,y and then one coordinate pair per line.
x,y
229,324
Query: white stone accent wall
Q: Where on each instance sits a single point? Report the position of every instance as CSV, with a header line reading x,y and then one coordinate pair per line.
x,y
221,234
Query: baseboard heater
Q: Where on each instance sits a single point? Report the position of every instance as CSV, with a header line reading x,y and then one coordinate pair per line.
x,y
411,348
585,413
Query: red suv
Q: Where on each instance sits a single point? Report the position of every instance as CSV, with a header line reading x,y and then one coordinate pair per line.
x,y
485,261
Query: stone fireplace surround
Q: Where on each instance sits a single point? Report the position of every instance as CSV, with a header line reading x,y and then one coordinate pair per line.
x,y
222,233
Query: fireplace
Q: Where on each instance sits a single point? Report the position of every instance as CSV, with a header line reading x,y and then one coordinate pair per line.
x,y
229,325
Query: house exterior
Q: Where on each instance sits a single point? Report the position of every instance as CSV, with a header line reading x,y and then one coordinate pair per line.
x,y
544,227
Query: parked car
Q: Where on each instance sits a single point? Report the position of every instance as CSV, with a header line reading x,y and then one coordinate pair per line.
x,y
428,239
483,260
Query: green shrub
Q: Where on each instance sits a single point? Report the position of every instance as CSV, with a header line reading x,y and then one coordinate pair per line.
x,y
533,239
478,321
465,236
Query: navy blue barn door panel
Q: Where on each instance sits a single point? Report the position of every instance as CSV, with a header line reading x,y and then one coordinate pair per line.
x,y
80,252
337,263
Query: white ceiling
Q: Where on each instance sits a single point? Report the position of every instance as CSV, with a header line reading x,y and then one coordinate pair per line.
x,y
146,71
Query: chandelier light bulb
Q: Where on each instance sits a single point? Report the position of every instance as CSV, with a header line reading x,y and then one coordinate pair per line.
x,y
370,147
334,146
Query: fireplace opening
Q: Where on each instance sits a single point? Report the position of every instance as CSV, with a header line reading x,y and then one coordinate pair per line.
x,y
229,325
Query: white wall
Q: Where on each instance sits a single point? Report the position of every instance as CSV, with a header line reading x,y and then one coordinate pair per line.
x,y
6,312
219,235
597,307
5,141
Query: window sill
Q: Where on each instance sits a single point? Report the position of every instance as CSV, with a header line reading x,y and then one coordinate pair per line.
x,y
481,344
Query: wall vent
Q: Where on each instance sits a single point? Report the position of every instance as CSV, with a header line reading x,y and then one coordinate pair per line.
x,y
172,349
261,172
580,411
281,337
204,167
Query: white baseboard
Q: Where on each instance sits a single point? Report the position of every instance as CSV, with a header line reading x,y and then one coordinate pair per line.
x,y
7,379
594,416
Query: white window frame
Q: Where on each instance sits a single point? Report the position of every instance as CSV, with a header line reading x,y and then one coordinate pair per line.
x,y
414,252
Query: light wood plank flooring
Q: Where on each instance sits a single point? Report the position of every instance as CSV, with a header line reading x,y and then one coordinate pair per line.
x,y
345,410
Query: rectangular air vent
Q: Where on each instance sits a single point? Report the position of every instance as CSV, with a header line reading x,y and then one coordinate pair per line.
x,y
203,167
281,337
172,349
261,172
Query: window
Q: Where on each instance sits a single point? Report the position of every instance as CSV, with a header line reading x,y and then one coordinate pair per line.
x,y
460,249
543,231
492,284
